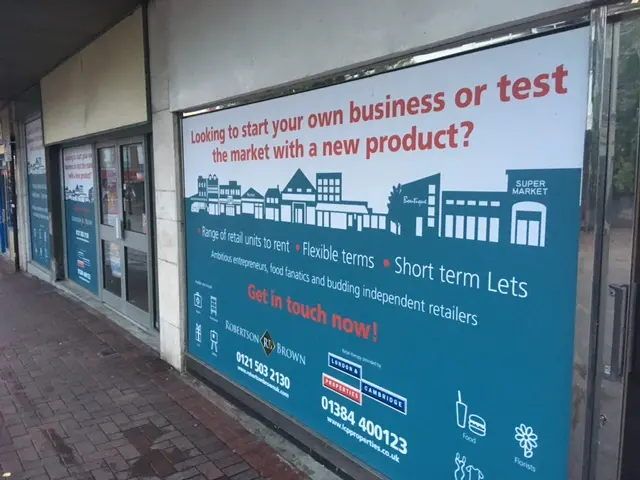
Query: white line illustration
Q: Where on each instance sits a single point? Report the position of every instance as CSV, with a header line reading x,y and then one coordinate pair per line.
x,y
474,473
214,306
458,474
214,342
475,423
197,300
464,471
198,333
461,412
527,439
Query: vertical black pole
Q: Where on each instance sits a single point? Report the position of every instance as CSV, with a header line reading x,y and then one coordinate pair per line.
x,y
13,207
55,200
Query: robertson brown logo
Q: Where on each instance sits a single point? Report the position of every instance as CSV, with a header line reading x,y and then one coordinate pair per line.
x,y
268,345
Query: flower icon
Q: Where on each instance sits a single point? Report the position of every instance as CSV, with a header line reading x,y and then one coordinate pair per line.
x,y
527,439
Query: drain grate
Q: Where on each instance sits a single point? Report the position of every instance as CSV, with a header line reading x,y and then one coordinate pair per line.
x,y
107,352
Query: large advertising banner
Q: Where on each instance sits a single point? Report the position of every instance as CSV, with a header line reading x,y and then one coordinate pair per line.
x,y
393,261
38,197
79,200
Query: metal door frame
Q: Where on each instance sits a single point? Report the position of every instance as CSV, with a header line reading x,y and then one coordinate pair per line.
x,y
107,233
605,26
627,353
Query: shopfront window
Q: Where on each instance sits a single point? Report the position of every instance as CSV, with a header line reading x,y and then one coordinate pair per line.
x,y
108,185
112,267
137,282
38,197
420,230
80,217
133,178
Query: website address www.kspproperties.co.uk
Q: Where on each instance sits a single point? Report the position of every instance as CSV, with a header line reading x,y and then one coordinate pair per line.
x,y
361,439
263,381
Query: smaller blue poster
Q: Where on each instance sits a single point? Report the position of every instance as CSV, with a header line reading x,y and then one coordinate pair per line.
x,y
79,200
38,198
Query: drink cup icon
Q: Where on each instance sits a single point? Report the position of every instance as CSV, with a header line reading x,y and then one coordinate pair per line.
x,y
461,412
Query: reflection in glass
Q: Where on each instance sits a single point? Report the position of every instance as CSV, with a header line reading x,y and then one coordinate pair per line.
x,y
112,267
620,216
108,185
626,119
137,286
135,214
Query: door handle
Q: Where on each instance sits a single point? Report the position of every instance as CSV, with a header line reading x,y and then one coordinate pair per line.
x,y
620,294
118,226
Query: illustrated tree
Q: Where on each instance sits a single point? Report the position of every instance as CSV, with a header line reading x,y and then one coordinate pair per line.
x,y
394,206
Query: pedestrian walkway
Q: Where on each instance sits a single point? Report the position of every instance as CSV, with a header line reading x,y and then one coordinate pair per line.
x,y
82,399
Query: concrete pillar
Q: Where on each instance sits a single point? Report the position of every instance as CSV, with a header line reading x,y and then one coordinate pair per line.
x,y
22,193
6,125
168,190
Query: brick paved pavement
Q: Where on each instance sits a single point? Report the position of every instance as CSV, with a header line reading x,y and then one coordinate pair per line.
x,y
81,399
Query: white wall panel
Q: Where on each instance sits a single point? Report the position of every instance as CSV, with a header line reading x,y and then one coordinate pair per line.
x,y
100,88
224,48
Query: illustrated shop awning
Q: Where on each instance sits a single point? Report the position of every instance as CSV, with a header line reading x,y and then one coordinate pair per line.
x,y
38,34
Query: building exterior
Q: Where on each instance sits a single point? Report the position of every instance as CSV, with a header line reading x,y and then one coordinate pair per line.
x,y
230,199
415,206
298,200
99,196
273,202
253,204
473,216
329,187
209,194
334,212
73,140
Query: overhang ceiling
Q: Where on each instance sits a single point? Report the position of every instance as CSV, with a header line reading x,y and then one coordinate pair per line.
x,y
36,35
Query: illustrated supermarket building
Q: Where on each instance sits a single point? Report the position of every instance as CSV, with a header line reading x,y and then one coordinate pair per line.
x,y
422,204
